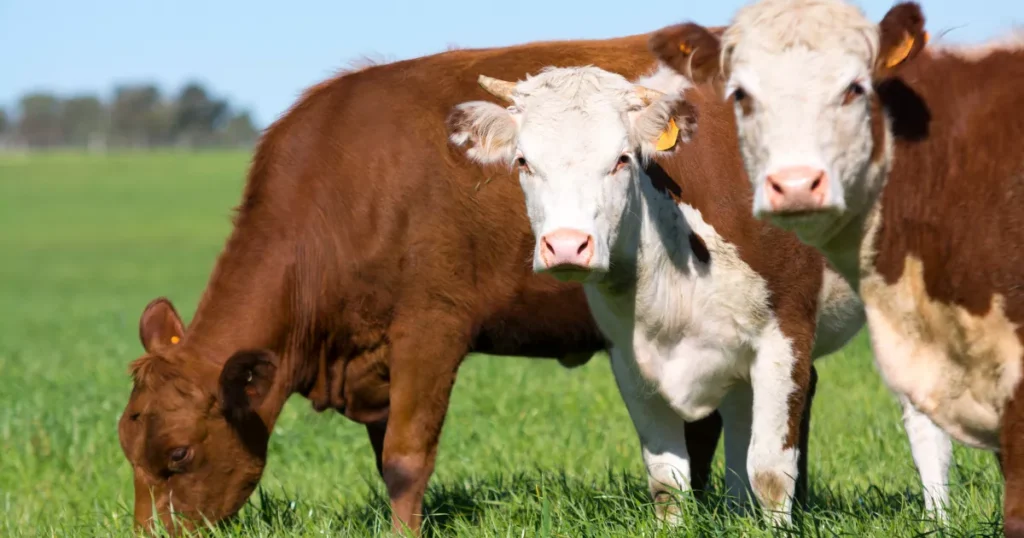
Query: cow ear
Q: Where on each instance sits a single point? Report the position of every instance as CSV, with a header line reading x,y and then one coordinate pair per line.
x,y
160,325
663,126
901,36
689,49
487,131
245,382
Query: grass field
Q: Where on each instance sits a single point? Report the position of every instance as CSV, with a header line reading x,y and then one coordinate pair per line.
x,y
529,448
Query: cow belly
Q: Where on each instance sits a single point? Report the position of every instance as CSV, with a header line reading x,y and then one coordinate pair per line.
x,y
958,368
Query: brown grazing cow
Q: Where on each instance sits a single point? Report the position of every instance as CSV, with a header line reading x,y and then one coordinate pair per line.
x,y
904,165
367,259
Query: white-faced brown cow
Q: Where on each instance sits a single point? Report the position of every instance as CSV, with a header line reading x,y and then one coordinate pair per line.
x,y
705,306
904,165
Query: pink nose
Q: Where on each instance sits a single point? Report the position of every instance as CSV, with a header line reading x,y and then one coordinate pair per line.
x,y
566,247
797,188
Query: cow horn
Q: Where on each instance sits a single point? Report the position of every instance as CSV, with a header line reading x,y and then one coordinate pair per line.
x,y
647,95
502,89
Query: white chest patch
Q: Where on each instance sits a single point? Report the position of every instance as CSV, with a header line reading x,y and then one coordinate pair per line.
x,y
958,368
690,327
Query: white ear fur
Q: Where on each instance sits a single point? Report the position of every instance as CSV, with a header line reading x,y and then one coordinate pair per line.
x,y
489,130
649,123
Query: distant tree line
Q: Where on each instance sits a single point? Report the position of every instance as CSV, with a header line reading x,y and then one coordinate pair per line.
x,y
135,116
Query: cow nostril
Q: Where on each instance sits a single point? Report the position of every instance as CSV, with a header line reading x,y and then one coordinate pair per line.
x,y
776,187
583,246
548,246
816,183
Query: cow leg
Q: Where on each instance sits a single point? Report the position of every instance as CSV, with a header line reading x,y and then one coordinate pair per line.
x,y
426,351
701,441
737,417
780,377
662,435
1011,454
376,431
803,478
932,450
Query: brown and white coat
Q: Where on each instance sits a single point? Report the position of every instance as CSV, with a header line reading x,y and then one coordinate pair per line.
x,y
904,165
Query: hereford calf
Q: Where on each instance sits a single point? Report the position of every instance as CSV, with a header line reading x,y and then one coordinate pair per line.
x,y
905,167
705,307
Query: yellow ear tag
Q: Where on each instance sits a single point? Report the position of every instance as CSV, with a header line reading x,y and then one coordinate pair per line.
x,y
901,52
175,339
668,137
685,49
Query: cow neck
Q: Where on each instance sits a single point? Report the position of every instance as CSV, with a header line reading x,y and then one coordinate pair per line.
x,y
652,230
244,307
851,249
241,307
846,250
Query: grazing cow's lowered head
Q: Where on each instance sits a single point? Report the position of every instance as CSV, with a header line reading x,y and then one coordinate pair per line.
x,y
578,137
192,429
802,75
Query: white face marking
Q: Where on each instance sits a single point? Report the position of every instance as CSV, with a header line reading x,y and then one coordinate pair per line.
x,y
800,72
580,172
804,109
576,136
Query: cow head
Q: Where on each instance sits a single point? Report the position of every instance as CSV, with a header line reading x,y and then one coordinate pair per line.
x,y
801,75
192,429
578,138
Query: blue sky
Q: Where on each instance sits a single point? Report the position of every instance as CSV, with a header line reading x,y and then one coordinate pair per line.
x,y
262,54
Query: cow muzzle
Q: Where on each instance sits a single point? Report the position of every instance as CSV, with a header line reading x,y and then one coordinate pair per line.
x,y
797,189
566,250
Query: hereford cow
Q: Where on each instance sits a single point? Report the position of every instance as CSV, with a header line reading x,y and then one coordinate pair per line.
x,y
690,289
366,260
905,167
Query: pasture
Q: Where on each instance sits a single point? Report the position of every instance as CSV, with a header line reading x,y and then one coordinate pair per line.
x,y
529,448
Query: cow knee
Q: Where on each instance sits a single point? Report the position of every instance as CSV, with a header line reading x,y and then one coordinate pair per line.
x,y
403,473
1014,527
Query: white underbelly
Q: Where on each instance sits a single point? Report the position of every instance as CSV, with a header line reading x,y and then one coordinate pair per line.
x,y
958,368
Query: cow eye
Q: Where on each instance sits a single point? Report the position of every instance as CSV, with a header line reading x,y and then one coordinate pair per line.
x,y
743,99
179,456
522,164
623,162
853,91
